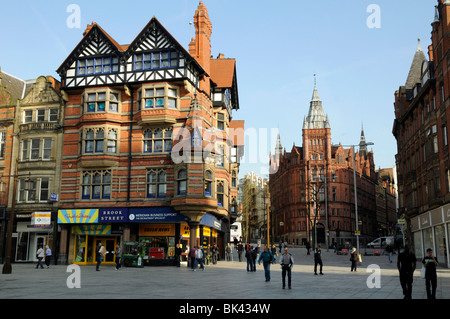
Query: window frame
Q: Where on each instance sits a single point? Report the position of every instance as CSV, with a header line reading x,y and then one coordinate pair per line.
x,y
159,192
154,60
104,188
108,101
182,182
113,65
149,142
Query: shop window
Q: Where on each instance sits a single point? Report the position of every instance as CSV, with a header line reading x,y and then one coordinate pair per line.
x,y
208,183
96,185
157,140
181,182
156,183
233,206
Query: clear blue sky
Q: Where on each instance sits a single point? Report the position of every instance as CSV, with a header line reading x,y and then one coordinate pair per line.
x,y
278,45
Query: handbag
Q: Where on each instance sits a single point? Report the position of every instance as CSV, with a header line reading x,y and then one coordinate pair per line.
x,y
422,273
359,258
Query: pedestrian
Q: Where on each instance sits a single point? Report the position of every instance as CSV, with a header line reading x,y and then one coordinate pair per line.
x,y
430,263
267,257
198,258
178,253
318,260
249,256
208,254
353,259
48,256
101,252
228,252
308,248
214,254
258,251
406,265
118,254
286,262
240,249
389,249
192,257
279,246
254,254
274,251
40,255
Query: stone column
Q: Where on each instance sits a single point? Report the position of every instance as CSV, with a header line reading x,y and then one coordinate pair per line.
x,y
62,255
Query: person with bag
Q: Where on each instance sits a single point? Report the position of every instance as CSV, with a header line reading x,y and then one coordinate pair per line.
x,y
430,263
267,258
353,259
406,265
40,256
198,258
101,252
192,256
286,262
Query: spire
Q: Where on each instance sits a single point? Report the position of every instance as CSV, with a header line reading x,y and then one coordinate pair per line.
x,y
362,142
316,117
416,67
278,147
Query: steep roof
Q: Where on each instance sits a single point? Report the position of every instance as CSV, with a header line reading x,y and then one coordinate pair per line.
x,y
222,72
416,68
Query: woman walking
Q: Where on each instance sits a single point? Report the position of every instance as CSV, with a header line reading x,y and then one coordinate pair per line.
x,y
353,259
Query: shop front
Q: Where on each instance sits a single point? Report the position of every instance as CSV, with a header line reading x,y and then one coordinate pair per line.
x,y
157,230
431,230
88,228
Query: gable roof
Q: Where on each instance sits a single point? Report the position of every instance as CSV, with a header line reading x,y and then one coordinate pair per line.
x,y
222,72
124,51
415,70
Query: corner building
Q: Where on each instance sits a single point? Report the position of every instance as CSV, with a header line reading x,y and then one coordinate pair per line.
x,y
149,151
313,187
421,130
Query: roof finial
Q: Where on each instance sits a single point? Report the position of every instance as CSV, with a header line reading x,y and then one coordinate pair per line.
x,y
419,48
314,79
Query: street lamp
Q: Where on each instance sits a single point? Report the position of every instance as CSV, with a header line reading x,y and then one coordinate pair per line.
x,y
356,190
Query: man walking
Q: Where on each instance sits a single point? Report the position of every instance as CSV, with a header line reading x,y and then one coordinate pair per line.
x,y
318,260
198,258
286,261
430,263
406,264
240,249
267,258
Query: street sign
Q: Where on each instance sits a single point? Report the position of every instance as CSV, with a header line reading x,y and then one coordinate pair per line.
x,y
401,221
357,232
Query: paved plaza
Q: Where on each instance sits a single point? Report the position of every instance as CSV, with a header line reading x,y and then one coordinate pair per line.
x,y
225,280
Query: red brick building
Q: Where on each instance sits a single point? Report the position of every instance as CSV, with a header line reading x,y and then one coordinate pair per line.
x,y
313,185
148,155
421,130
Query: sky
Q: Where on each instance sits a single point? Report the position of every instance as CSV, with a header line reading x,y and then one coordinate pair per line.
x,y
360,52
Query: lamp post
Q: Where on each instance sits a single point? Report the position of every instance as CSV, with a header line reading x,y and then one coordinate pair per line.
x,y
356,190
7,267
268,216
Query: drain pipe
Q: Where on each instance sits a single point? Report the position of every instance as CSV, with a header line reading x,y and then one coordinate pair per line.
x,y
131,93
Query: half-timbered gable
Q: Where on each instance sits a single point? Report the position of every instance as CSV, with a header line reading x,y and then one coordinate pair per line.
x,y
154,55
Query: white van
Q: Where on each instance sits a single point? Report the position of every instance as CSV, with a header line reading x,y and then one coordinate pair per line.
x,y
381,242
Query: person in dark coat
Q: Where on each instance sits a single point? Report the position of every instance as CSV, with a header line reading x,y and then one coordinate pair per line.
x,y
318,260
406,265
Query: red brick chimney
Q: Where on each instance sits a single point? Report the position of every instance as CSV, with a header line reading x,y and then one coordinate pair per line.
x,y
200,47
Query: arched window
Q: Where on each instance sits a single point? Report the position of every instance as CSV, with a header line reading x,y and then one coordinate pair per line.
x,y
208,183
220,196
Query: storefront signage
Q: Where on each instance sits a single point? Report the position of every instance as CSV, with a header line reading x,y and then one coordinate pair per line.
x,y
113,215
185,231
211,221
91,229
77,216
155,214
157,230
41,219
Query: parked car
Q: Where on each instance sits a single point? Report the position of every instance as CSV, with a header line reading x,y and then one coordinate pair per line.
x,y
381,242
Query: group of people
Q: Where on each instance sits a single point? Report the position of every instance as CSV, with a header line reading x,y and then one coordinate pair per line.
x,y
41,254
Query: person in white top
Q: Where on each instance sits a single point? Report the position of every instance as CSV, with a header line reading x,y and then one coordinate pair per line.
x,y
40,255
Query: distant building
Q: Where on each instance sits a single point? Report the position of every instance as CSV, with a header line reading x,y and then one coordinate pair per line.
x,y
421,130
313,185
254,210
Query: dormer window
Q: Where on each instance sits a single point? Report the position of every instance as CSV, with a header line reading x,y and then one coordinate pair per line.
x,y
155,60
99,65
